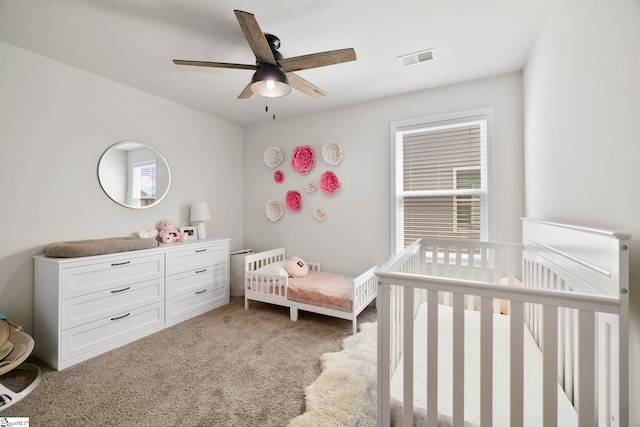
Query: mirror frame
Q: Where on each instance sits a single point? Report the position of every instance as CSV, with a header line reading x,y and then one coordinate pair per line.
x,y
129,145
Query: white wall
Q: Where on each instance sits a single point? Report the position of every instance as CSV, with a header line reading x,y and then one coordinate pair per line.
x,y
356,233
582,121
56,121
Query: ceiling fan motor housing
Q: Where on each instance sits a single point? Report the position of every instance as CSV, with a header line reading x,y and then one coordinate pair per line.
x,y
274,44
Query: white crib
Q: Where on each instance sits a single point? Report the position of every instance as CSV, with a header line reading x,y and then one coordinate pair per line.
x,y
573,303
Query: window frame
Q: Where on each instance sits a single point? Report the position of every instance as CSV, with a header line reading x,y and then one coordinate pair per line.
x,y
396,175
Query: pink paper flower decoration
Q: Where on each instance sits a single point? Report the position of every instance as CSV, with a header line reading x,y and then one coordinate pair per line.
x,y
278,176
329,182
294,200
303,159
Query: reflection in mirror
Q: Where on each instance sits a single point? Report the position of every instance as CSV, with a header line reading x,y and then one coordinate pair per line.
x,y
134,174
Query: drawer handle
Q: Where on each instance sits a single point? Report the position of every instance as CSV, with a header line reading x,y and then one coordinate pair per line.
x,y
200,271
201,292
115,264
121,317
121,290
201,250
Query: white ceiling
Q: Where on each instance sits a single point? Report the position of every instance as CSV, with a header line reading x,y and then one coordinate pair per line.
x,y
134,41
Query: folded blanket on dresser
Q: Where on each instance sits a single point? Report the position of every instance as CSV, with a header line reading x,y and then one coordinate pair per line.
x,y
79,248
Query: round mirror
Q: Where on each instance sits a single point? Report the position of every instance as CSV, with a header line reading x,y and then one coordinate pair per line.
x,y
134,174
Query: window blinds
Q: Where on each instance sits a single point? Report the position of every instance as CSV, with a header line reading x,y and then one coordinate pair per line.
x,y
443,183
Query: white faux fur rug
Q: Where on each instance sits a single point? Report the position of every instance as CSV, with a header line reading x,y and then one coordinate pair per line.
x,y
345,392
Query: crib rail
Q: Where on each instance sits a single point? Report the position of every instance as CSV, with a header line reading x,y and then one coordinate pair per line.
x,y
479,261
557,303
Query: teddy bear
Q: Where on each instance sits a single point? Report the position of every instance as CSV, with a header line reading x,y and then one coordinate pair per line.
x,y
167,233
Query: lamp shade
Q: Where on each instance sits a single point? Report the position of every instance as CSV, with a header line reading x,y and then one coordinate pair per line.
x,y
270,81
199,211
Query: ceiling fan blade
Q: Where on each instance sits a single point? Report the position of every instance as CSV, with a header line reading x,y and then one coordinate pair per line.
x,y
214,64
315,60
255,37
246,92
304,86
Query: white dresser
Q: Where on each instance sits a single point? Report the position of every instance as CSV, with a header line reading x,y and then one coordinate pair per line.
x,y
87,306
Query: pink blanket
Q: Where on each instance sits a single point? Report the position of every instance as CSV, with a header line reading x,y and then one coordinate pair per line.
x,y
331,290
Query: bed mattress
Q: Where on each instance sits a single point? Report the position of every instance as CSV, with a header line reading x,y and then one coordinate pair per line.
x,y
532,376
321,288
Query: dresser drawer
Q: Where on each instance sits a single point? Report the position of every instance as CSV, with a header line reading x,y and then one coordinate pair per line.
x,y
119,326
180,261
194,302
196,280
90,307
115,272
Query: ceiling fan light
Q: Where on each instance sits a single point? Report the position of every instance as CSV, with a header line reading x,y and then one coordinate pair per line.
x,y
270,81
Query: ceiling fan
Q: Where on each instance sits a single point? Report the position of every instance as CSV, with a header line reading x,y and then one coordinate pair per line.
x,y
274,75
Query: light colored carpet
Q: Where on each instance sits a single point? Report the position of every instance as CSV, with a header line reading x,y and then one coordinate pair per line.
x,y
228,367
345,392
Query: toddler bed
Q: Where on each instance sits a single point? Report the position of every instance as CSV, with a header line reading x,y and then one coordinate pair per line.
x,y
559,357
332,294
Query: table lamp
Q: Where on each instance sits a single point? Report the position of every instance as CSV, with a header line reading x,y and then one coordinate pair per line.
x,y
200,213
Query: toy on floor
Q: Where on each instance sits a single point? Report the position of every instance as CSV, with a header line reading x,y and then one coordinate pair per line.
x,y
15,347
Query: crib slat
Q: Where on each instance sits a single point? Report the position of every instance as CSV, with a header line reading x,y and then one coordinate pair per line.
x,y
458,360
432,267
570,356
486,362
512,267
561,345
516,315
397,319
586,369
384,355
550,367
446,258
605,345
407,402
484,262
432,359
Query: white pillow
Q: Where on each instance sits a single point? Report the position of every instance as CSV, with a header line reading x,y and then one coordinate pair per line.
x,y
276,268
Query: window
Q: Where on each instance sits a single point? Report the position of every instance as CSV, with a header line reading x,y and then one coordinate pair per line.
x,y
441,178
144,183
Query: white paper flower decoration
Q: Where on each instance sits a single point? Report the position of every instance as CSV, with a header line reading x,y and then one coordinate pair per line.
x,y
310,187
332,153
273,210
273,156
320,214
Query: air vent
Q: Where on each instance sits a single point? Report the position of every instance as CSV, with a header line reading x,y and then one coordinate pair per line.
x,y
416,57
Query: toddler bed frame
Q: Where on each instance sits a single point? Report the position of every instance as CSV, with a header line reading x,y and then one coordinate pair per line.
x,y
273,289
573,302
